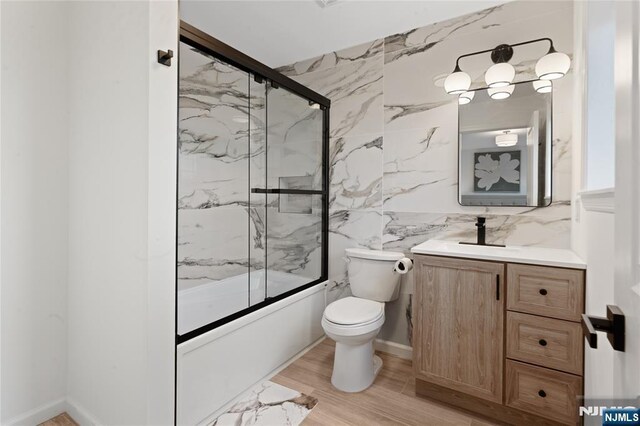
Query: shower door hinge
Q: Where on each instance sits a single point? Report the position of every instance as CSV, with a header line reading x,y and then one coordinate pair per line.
x,y
257,78
164,58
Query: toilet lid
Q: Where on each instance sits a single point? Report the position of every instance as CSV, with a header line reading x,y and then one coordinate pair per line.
x,y
352,310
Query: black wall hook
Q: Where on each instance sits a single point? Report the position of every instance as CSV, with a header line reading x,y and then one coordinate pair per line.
x,y
164,58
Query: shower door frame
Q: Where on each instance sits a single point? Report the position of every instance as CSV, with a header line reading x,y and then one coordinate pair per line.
x,y
194,37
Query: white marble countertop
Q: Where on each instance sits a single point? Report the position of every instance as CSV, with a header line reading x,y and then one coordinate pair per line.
x,y
561,258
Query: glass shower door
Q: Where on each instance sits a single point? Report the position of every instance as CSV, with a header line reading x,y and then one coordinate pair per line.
x,y
252,188
213,265
257,244
295,200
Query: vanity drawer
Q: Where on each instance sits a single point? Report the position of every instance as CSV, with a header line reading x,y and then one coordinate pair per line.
x,y
540,290
544,341
543,392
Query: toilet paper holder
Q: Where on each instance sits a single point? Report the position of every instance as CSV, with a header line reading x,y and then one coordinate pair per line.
x,y
403,265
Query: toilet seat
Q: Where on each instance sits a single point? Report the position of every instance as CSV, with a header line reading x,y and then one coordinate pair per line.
x,y
352,330
353,311
352,316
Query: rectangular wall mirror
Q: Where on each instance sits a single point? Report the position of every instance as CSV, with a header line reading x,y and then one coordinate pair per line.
x,y
505,147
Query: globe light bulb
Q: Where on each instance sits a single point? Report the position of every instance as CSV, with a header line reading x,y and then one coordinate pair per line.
x,y
500,75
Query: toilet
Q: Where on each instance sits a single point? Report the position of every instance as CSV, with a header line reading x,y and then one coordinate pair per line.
x,y
354,322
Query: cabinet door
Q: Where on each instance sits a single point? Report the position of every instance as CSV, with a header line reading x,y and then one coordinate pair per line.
x,y
458,325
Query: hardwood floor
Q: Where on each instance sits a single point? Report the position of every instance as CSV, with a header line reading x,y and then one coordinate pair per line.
x,y
61,420
391,400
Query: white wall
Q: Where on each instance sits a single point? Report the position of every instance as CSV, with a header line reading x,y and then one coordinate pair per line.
x,y
34,209
121,203
107,210
88,211
161,291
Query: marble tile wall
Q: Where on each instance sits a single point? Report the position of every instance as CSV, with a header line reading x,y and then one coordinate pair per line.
x,y
394,139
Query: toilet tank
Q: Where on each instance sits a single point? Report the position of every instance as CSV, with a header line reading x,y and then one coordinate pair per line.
x,y
371,274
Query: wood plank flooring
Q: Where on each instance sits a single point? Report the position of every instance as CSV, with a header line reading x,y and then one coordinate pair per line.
x,y
391,400
61,420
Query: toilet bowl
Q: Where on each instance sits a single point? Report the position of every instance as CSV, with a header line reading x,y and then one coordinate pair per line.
x,y
354,322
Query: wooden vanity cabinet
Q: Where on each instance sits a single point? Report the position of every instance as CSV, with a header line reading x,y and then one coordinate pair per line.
x,y
458,334
500,339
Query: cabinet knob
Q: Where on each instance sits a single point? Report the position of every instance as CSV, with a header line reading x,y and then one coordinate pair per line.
x,y
543,291
542,393
542,342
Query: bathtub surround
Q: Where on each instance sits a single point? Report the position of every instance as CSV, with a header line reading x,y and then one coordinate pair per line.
x,y
394,147
268,404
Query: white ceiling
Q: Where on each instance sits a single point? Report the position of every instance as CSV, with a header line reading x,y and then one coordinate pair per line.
x,y
282,32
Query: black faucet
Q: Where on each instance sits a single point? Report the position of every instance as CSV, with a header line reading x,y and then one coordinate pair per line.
x,y
482,234
482,231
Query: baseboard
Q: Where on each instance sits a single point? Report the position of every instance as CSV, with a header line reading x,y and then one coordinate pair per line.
x,y
271,374
401,351
78,413
39,414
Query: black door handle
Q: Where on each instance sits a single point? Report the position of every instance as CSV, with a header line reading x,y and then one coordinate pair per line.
x,y
613,325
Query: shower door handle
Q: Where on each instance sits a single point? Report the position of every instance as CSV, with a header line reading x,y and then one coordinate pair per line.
x,y
286,191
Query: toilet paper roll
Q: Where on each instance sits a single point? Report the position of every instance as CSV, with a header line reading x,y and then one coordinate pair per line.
x,y
403,265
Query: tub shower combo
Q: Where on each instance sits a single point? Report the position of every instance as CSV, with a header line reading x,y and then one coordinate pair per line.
x,y
252,185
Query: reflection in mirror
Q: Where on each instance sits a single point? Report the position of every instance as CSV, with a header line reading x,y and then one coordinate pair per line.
x,y
505,148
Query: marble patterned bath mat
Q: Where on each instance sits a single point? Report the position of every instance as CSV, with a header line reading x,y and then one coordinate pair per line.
x,y
268,404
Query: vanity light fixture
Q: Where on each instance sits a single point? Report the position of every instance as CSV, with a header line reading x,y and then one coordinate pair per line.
x,y
506,139
499,93
457,82
466,97
552,65
542,86
501,75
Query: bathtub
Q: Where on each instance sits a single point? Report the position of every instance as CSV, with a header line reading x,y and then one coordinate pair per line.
x,y
214,368
206,303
